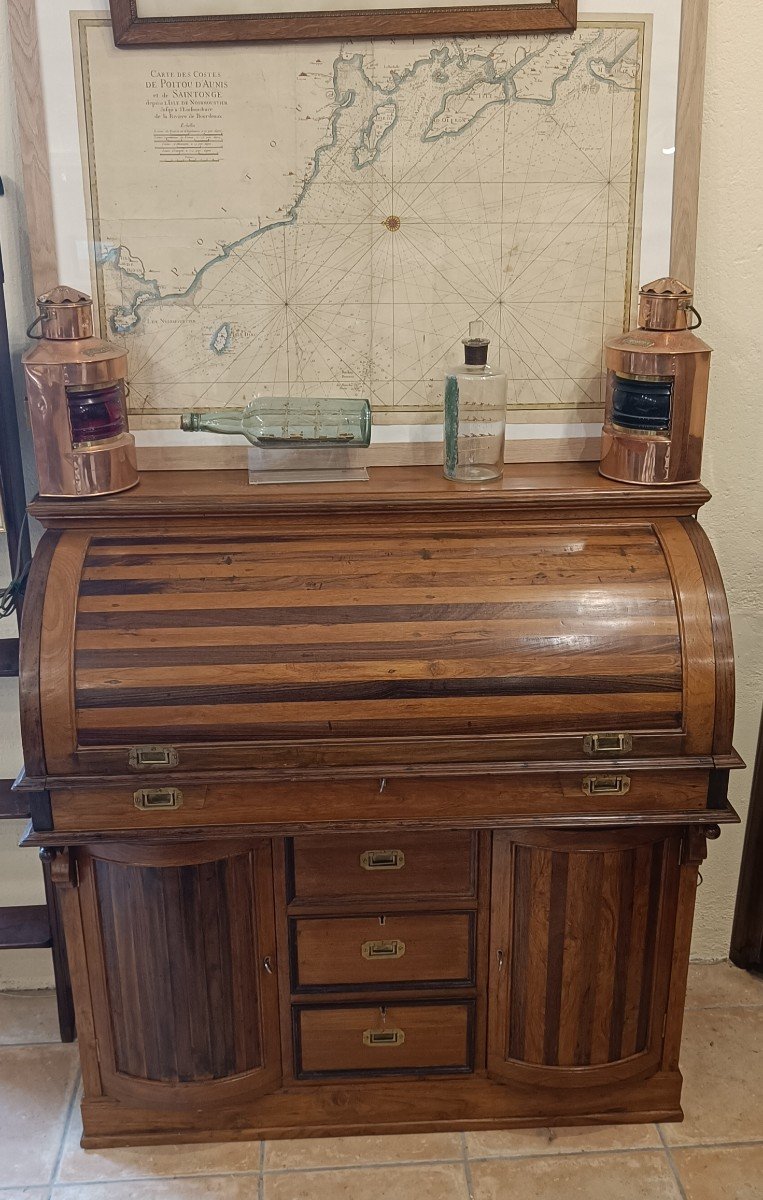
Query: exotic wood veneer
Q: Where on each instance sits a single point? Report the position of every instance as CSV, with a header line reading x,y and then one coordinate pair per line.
x,y
376,807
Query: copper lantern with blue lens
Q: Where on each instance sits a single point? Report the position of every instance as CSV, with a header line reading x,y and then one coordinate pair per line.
x,y
657,380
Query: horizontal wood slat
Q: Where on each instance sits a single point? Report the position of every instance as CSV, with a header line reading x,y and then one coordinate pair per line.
x,y
13,805
254,638
9,657
24,927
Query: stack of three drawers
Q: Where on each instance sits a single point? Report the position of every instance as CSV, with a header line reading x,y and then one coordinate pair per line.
x,y
382,937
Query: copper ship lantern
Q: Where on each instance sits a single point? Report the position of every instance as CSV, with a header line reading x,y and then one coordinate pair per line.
x,y
657,380
76,393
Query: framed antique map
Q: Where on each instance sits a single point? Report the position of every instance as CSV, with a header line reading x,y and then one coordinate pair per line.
x,y
185,22
326,218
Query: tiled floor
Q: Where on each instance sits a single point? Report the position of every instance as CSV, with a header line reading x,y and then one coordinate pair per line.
x,y
716,1154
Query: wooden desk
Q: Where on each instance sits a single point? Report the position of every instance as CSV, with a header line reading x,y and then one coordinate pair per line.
x,y
376,807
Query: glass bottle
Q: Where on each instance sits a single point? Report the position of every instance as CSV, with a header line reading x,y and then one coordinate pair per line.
x,y
474,423
283,423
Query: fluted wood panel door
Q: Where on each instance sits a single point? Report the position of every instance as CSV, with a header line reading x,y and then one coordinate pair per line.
x,y
182,942
582,942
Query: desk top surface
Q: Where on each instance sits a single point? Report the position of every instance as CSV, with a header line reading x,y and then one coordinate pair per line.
x,y
529,489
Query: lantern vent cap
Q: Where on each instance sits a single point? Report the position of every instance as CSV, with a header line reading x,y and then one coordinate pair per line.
x,y
667,287
64,295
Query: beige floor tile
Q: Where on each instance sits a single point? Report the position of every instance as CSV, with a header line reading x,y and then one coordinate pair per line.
x,y
361,1151
28,1017
731,1173
209,1188
24,1193
714,985
635,1176
85,1166
722,1065
442,1182
35,1088
492,1143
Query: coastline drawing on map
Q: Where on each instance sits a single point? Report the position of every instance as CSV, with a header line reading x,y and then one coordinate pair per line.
x,y
342,234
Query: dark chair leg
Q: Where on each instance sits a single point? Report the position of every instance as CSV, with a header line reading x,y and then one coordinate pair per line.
x,y
747,933
66,1022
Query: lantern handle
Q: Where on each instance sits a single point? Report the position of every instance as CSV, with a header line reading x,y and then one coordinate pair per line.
x,y
38,337
690,308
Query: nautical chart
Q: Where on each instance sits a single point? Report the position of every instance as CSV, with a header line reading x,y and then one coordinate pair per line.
x,y
327,218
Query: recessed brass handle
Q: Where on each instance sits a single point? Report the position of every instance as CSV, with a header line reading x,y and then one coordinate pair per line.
x,y
606,785
382,860
393,948
150,798
153,756
608,743
383,1037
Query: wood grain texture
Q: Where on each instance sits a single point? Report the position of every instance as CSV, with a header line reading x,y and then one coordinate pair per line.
x,y
325,868
421,669
189,834
64,875
29,657
349,1107
466,801
270,639
581,966
184,1012
437,949
697,639
35,165
725,694
689,108
438,1038
56,684
132,30
529,491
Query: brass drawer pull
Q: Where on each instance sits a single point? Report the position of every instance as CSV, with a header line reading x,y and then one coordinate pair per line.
x,y
391,949
150,798
608,743
383,1037
607,785
382,860
153,756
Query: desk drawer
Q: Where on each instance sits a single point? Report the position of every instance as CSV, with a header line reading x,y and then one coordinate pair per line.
x,y
437,864
392,865
373,1040
357,952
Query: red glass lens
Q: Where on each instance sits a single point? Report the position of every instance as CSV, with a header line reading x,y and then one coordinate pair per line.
x,y
96,414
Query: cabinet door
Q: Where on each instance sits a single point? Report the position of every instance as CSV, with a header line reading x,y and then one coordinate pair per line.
x,y
180,947
581,946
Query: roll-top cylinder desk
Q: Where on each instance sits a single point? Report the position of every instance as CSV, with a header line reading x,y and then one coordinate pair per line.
x,y
376,807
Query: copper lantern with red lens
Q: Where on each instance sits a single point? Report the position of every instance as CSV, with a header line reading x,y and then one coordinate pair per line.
x,y
76,393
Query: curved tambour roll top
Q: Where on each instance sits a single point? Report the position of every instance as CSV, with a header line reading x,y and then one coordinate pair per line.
x,y
385,647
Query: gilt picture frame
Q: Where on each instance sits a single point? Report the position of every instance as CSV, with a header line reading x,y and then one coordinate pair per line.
x,y
196,22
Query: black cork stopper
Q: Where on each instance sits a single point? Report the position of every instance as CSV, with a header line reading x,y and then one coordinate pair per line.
x,y
476,346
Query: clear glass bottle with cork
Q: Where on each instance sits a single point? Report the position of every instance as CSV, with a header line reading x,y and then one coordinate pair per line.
x,y
474,423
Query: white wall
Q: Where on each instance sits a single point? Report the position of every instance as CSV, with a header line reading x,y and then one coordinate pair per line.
x,y
728,284
730,296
